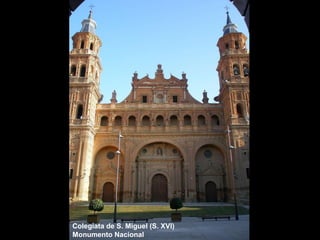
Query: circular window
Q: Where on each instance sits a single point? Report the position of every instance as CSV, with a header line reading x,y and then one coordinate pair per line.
x,y
207,153
110,155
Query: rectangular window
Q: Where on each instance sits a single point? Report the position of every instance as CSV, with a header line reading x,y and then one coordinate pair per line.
x,y
144,99
175,99
248,173
71,173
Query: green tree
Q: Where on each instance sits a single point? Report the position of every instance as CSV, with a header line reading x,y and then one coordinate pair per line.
x,y
176,203
96,205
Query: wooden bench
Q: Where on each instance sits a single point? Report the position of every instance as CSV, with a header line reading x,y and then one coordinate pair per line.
x,y
134,219
216,217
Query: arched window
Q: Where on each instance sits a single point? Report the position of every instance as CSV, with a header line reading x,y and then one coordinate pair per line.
x,y
174,120
236,45
104,121
239,110
73,70
132,121
79,111
91,46
145,121
245,70
215,120
159,121
201,120
187,120
118,121
83,71
236,69
82,44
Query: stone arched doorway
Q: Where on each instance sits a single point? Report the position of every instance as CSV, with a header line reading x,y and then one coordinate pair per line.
x,y
209,174
108,192
158,174
159,188
105,174
211,192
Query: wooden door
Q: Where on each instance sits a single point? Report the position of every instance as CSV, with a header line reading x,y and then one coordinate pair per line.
x,y
108,192
159,188
211,192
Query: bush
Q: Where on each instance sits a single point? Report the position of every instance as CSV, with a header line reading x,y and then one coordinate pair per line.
x,y
96,205
176,203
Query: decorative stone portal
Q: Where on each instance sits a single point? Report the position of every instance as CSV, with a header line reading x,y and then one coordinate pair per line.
x,y
105,174
159,173
210,174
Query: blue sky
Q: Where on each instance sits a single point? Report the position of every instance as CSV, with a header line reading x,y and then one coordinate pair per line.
x,y
136,36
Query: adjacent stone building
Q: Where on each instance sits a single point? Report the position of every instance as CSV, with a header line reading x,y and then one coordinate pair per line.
x,y
159,142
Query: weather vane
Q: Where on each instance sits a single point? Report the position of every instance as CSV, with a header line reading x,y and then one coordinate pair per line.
x,y
91,6
226,8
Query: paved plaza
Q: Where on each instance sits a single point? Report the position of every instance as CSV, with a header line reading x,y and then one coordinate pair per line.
x,y
163,228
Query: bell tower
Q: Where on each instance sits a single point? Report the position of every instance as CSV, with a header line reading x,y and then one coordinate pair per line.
x,y
84,95
233,71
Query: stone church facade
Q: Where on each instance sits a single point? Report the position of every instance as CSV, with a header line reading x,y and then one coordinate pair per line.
x,y
159,142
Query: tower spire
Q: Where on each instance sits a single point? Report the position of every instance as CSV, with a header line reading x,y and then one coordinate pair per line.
x,y
89,25
229,27
228,17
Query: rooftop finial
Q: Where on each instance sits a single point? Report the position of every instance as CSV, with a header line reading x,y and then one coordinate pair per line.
x,y
90,13
228,17
226,7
